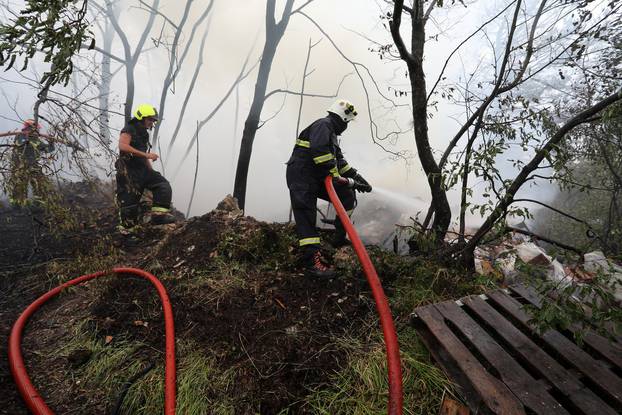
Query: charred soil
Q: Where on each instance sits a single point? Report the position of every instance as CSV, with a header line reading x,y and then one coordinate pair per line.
x,y
238,296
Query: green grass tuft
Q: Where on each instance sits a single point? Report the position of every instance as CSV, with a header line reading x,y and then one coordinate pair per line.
x,y
201,387
361,388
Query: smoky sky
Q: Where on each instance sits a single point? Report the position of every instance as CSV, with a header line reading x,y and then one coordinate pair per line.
x,y
236,29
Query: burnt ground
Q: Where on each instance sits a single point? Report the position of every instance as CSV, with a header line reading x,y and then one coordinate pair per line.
x,y
237,292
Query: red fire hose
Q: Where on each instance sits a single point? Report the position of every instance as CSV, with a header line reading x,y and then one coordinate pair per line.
x,y
396,399
34,402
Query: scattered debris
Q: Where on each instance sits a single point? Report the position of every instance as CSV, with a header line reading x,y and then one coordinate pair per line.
x,y
230,205
502,259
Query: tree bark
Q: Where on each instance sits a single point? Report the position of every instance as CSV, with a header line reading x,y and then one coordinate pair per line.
x,y
414,62
274,33
104,86
131,58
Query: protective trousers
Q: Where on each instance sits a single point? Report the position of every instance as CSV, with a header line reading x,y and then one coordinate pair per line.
x,y
304,190
133,177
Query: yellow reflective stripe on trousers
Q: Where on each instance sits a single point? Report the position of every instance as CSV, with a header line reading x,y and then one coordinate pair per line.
x,y
334,172
344,169
350,212
303,143
323,158
159,209
309,241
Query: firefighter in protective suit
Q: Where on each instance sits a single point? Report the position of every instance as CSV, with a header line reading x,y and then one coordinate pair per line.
x,y
26,167
316,155
135,173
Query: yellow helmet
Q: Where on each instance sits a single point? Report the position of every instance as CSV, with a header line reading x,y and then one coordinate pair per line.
x,y
145,111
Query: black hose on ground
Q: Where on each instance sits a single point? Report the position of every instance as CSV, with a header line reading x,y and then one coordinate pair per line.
x,y
127,385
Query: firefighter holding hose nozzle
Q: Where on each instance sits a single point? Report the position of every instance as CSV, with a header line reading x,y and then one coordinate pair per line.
x,y
317,154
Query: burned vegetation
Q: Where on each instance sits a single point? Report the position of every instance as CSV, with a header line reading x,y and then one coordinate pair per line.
x,y
253,334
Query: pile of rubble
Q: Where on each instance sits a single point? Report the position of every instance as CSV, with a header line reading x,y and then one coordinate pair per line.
x,y
503,260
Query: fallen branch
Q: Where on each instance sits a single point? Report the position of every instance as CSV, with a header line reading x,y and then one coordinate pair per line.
x,y
544,239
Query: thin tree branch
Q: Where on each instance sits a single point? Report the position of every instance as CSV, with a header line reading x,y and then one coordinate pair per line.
x,y
394,25
196,173
440,76
241,76
545,239
520,179
302,7
190,90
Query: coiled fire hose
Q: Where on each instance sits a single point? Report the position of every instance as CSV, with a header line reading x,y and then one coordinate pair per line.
x,y
396,399
29,393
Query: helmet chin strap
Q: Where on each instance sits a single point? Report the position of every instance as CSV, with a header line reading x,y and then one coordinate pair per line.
x,y
340,125
144,120
341,128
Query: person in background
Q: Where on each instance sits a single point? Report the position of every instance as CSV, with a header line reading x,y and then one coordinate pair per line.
x,y
26,168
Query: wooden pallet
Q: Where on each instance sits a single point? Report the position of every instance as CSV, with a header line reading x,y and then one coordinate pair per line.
x,y
486,345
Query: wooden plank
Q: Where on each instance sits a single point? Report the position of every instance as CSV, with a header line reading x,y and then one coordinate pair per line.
x,y
451,407
538,360
489,393
592,369
528,294
520,382
610,350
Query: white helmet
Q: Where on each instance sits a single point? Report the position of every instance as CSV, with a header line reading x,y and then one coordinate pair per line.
x,y
343,108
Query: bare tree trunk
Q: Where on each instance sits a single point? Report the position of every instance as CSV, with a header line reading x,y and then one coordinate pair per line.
x,y
131,58
236,120
465,177
189,92
499,87
41,98
302,97
274,33
104,86
414,61
176,62
196,173
241,76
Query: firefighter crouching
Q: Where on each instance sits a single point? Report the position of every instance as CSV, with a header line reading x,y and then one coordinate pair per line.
x,y
316,155
135,173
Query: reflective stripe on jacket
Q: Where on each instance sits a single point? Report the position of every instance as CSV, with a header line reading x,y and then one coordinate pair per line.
x,y
317,147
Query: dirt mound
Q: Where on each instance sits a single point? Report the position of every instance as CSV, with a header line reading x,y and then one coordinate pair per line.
x,y
239,299
238,294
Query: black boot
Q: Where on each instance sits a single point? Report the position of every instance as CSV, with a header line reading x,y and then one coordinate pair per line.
x,y
316,268
339,239
162,219
129,236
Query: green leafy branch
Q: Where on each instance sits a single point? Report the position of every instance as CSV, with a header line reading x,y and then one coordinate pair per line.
x,y
56,28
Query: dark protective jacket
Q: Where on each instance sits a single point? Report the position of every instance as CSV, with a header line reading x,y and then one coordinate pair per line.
x,y
140,141
134,175
317,150
29,146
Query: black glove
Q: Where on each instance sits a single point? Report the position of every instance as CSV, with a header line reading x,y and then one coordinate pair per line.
x,y
343,181
361,185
